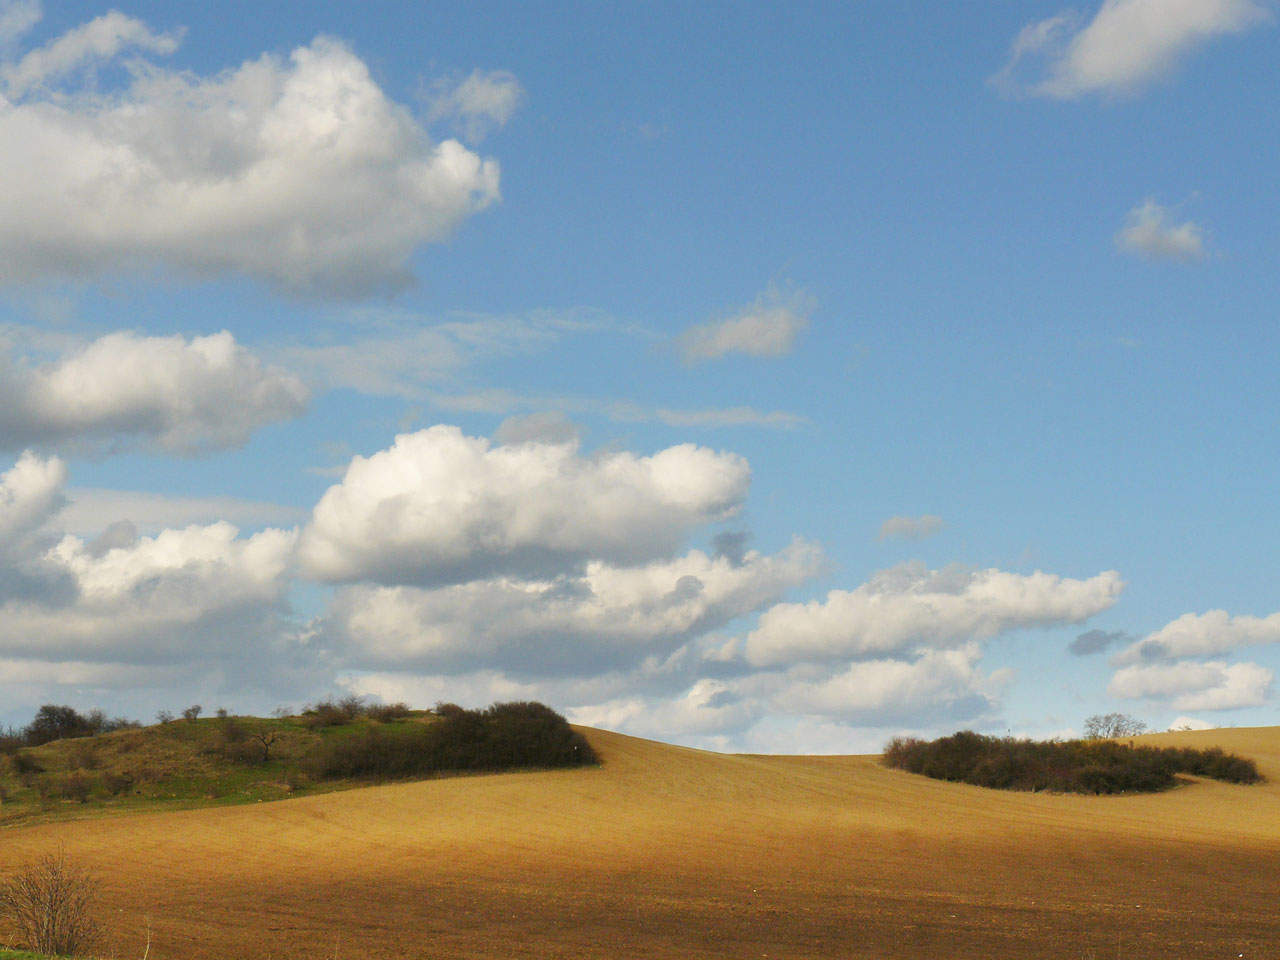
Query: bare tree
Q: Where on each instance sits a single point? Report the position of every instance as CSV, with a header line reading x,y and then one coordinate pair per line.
x,y
192,712
49,901
1103,726
266,736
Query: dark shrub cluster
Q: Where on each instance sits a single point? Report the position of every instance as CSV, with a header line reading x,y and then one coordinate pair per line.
x,y
386,712
334,713
60,722
1064,766
503,737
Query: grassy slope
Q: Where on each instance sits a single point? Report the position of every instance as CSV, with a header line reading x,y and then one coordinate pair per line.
x,y
178,765
665,852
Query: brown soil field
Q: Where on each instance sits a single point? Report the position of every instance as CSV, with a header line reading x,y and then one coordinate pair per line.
x,y
665,852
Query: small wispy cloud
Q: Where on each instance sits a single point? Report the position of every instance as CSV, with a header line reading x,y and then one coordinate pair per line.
x,y
90,510
1096,641
478,105
396,354
502,401
1125,47
766,328
910,528
1150,232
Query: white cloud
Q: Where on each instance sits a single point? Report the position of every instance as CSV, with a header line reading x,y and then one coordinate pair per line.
x,y
97,41
1182,723
401,355
157,598
622,411
937,685
299,172
16,18
441,507
911,528
90,510
707,708
1187,685
1202,634
190,604
483,102
767,328
1150,232
1127,45
30,494
168,393
910,605
547,427
715,417
608,618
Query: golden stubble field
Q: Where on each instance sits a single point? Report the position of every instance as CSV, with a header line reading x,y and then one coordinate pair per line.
x,y
665,852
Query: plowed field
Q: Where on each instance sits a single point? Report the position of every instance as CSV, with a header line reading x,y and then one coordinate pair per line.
x,y
665,852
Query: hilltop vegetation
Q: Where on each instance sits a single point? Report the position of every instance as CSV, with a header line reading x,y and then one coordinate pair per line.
x,y
67,763
1063,766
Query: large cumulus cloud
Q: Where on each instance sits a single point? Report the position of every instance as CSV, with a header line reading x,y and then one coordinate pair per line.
x,y
170,393
912,605
440,507
185,602
298,171
1181,663
606,618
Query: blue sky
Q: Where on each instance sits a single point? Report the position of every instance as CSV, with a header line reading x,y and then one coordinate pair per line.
x,y
759,377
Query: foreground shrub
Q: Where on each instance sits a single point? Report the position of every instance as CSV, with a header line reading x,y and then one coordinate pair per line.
x,y
48,902
505,736
1065,766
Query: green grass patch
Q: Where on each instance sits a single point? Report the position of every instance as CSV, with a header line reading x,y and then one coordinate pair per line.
x,y
1063,766
220,761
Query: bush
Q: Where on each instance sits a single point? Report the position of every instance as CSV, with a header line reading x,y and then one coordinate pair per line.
x,y
503,737
116,783
48,902
11,741
232,731
326,713
1071,766
53,722
24,763
76,787
386,712
82,758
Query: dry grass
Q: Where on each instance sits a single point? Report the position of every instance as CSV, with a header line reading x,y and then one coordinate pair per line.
x,y
672,853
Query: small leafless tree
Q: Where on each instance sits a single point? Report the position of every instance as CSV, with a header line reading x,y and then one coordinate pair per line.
x,y
1103,726
192,712
267,737
49,902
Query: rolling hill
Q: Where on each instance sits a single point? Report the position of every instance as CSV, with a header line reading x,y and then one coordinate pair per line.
x,y
666,852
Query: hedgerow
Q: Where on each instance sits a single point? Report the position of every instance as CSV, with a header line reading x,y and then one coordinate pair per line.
x,y
1062,766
